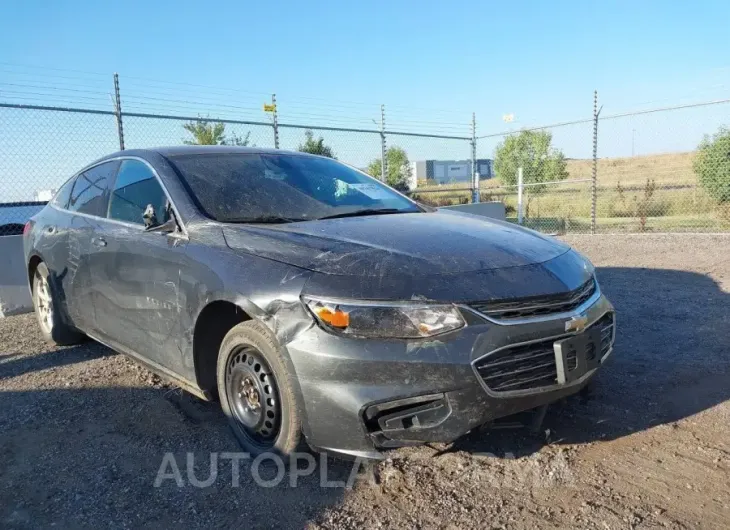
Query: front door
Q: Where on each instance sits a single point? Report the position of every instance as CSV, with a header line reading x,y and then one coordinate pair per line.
x,y
137,302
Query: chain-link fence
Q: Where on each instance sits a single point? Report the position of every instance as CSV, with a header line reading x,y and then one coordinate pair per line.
x,y
685,187
556,165
356,148
146,131
39,150
663,170
641,171
41,147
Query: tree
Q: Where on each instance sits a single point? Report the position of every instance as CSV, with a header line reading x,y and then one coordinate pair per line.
x,y
207,133
712,165
530,150
315,147
398,171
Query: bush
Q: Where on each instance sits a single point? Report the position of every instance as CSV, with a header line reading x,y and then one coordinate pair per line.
x,y
533,152
398,171
315,146
643,205
712,165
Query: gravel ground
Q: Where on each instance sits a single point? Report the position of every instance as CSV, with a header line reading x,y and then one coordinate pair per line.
x,y
83,431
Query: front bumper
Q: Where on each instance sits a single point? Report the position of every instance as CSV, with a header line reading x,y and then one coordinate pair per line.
x,y
362,395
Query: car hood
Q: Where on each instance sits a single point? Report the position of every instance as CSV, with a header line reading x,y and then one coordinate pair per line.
x,y
418,244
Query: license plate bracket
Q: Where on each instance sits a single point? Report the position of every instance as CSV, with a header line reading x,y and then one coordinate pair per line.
x,y
577,355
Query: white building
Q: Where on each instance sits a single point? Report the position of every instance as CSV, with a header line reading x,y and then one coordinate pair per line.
x,y
448,171
44,195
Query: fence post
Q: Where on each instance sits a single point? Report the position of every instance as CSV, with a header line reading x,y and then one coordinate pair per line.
x,y
383,150
474,174
596,112
519,195
118,111
276,121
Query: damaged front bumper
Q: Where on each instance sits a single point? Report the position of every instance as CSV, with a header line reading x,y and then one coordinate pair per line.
x,y
363,395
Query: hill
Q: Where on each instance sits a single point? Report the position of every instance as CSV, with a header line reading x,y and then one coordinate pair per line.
x,y
670,168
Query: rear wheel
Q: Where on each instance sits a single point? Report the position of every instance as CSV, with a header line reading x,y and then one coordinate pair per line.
x,y
255,391
45,303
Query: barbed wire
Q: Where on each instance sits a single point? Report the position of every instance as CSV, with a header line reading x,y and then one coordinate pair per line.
x,y
31,83
608,117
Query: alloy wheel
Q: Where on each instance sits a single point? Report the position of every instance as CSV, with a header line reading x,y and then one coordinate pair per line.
x,y
44,303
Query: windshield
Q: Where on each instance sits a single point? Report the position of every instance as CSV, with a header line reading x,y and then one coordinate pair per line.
x,y
243,187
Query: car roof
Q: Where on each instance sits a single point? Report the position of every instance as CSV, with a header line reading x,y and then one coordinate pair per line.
x,y
177,150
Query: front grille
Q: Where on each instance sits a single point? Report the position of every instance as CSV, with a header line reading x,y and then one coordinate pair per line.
x,y
532,366
607,332
536,306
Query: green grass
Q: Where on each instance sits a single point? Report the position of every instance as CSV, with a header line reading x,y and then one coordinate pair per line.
x,y
679,223
622,199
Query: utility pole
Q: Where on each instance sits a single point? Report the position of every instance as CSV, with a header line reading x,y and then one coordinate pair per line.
x,y
474,172
276,121
118,111
596,113
520,189
383,150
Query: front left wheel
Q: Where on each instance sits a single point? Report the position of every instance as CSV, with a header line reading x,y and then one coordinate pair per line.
x,y
256,391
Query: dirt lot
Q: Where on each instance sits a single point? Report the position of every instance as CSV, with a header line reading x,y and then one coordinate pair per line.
x,y
83,431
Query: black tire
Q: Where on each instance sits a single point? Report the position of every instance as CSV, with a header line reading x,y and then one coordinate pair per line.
x,y
48,310
252,371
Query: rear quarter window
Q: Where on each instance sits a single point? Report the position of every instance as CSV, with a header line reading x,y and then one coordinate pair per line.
x,y
91,190
63,194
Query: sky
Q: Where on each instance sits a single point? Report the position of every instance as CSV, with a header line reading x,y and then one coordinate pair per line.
x,y
430,63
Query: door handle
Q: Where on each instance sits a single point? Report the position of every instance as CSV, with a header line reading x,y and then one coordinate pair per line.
x,y
99,241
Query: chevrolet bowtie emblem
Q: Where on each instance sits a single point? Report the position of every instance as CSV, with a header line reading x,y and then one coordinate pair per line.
x,y
576,324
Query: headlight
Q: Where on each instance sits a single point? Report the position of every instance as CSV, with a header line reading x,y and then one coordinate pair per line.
x,y
394,320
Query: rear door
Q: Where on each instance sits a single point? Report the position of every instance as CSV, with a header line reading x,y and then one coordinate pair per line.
x,y
137,303
87,206
52,243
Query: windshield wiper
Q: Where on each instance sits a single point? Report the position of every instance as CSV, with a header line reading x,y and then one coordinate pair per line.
x,y
369,211
264,219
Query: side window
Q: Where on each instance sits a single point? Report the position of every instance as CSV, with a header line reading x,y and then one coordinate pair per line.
x,y
90,191
63,195
135,189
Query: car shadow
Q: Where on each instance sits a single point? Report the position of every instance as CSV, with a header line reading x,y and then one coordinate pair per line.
x,y
671,360
98,450
15,364
91,456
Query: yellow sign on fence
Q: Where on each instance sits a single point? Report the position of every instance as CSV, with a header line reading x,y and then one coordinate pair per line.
x,y
269,107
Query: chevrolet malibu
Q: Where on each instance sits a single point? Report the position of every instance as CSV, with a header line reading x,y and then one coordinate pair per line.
x,y
312,300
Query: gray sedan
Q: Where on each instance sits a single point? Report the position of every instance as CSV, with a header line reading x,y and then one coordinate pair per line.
x,y
312,300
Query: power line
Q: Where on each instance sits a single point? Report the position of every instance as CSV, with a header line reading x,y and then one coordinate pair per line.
x,y
611,117
174,83
50,68
159,84
21,93
53,88
662,109
147,98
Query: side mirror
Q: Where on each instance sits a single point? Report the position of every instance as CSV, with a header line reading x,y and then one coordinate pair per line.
x,y
150,217
167,227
